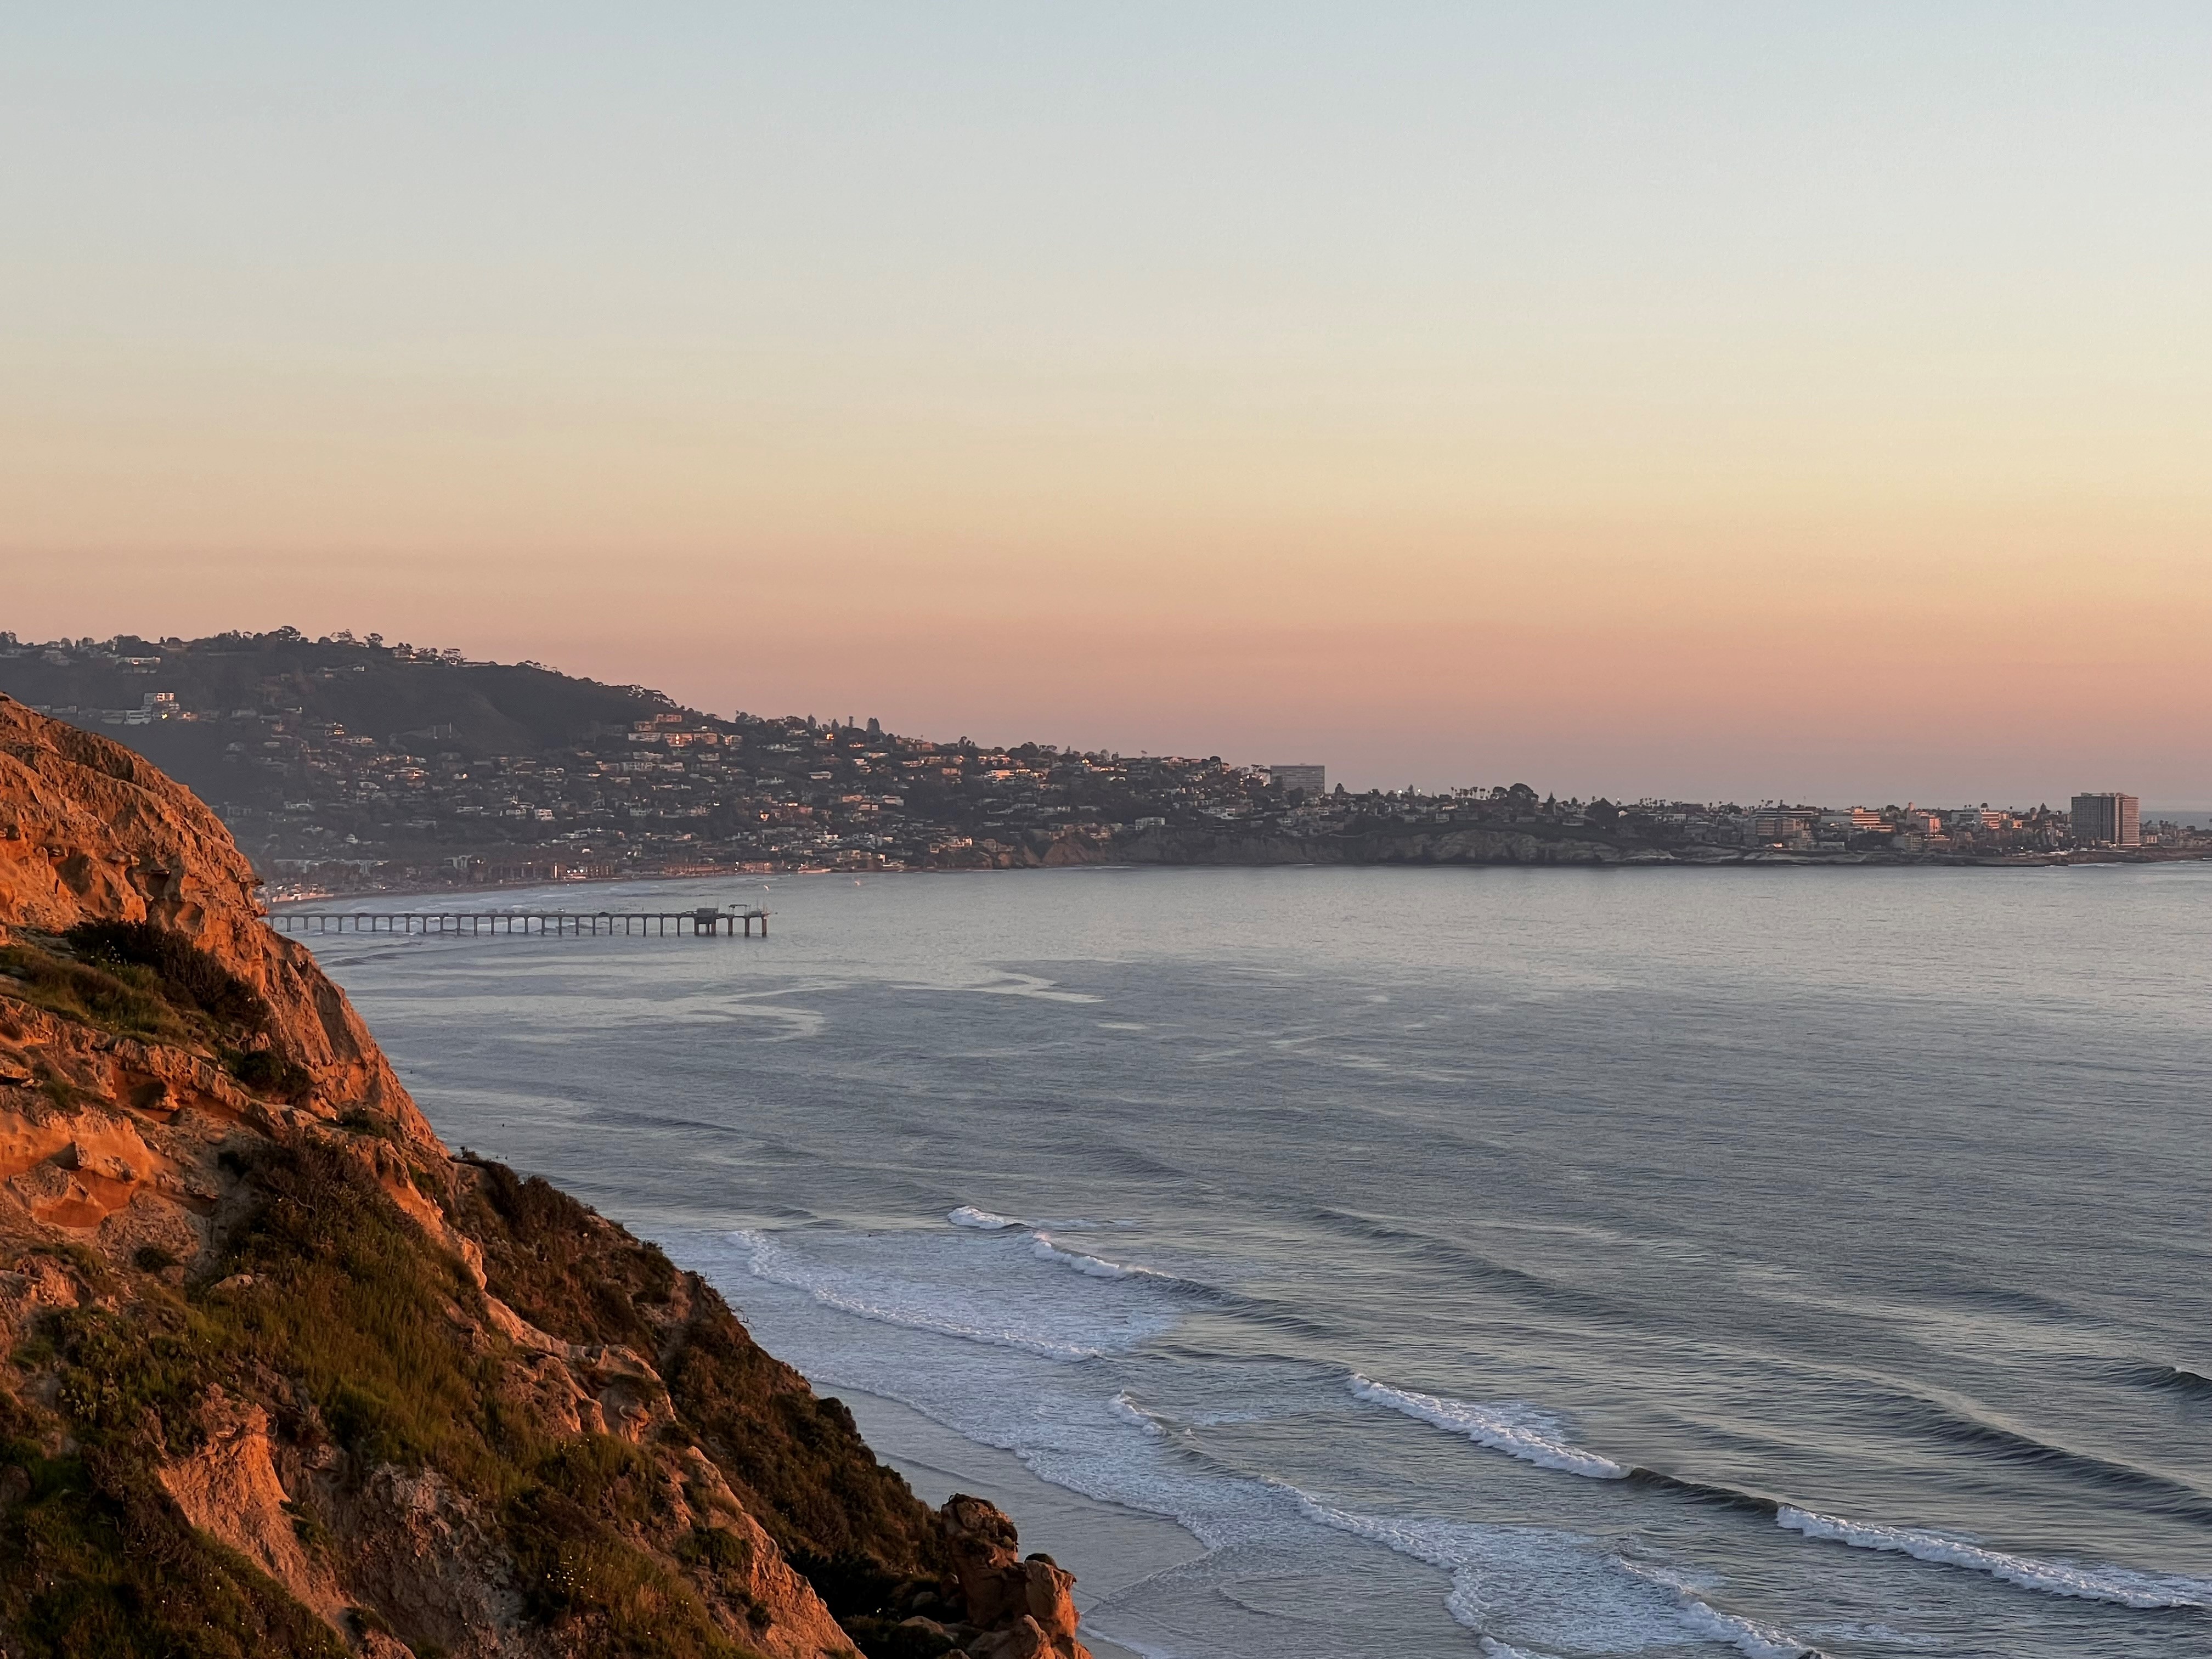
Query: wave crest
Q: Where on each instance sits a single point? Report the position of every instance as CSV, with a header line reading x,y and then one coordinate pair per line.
x,y
2120,1585
1518,1431
2171,1379
1096,1266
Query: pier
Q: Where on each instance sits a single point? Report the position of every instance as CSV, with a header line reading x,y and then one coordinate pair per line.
x,y
703,923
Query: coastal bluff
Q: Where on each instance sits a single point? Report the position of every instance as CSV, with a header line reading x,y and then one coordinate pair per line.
x,y
285,1375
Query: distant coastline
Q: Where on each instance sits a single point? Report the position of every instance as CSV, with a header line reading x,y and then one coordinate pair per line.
x,y
1288,856
345,765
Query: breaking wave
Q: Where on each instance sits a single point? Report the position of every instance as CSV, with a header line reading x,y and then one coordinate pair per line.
x,y
1746,1636
1517,1430
1130,1411
1097,1267
1616,1605
981,1220
2120,1585
984,1221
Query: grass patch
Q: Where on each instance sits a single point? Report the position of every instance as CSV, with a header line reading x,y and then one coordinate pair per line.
x,y
122,999
188,977
351,1299
347,1330
131,1380
580,1575
139,980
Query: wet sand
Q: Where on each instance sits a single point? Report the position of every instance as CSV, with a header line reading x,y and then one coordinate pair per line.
x,y
1107,1547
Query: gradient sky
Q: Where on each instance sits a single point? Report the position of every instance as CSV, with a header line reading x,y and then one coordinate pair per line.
x,y
1724,400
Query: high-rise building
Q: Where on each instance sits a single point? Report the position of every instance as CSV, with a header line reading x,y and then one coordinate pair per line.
x,y
1313,779
2113,820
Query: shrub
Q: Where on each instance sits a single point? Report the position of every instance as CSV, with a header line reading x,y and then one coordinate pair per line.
x,y
269,1072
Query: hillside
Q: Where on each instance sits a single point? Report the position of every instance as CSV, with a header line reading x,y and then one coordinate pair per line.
x,y
346,763
351,762
286,1375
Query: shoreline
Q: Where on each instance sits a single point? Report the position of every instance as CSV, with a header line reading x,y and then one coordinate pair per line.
x,y
1108,1547
1652,861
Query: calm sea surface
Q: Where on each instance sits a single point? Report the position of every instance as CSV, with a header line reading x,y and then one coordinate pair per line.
x,y
1657,1262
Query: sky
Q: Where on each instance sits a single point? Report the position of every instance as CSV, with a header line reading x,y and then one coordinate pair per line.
x,y
1722,401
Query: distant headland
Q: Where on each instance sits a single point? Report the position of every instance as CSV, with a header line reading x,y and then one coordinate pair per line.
x,y
349,764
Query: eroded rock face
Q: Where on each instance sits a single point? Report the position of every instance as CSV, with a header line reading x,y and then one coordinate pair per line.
x,y
289,1373
228,1488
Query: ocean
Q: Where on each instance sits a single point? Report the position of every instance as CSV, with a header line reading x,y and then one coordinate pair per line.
x,y
1440,1263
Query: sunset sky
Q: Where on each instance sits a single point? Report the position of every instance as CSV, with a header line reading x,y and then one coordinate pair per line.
x,y
1733,401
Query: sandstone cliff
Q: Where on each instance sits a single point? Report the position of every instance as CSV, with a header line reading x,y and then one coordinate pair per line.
x,y
286,1376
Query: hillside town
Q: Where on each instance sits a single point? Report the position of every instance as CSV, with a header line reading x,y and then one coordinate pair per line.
x,y
346,764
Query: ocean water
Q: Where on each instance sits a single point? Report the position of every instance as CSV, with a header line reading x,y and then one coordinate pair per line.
x,y
1472,1261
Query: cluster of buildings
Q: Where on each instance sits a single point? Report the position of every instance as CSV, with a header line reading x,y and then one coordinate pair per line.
x,y
628,783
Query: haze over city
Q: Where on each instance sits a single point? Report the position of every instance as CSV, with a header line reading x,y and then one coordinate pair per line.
x,y
1707,401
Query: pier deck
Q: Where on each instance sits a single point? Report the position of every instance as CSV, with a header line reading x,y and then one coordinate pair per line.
x,y
703,922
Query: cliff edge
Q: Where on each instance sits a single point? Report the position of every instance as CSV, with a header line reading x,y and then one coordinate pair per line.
x,y
284,1376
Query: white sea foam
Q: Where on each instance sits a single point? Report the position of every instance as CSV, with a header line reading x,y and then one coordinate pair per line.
x,y
982,1220
1097,1267
1517,1430
2121,1585
1130,1411
1747,1636
1583,1598
911,1306
1535,1592
985,1221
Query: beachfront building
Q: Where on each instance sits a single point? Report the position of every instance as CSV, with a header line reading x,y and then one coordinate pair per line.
x,y
2111,820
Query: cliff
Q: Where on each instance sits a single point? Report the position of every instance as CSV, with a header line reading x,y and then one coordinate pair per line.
x,y
287,1376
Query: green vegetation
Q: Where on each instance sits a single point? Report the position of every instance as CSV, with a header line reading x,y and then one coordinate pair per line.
x,y
100,1566
346,1331
188,977
269,1072
140,980
349,1299
121,998
134,978
565,1529
847,1522
550,1265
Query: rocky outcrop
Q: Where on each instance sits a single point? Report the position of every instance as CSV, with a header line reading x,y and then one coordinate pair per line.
x,y
1026,1606
289,1377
